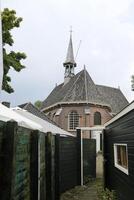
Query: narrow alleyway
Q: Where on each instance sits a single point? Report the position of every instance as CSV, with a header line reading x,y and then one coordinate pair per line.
x,y
87,192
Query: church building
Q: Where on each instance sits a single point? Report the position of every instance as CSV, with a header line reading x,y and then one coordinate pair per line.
x,y
79,102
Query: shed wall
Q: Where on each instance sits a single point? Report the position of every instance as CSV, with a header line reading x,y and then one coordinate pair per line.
x,y
120,131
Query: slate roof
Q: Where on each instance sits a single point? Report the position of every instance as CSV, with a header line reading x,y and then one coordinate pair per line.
x,y
81,88
114,97
35,111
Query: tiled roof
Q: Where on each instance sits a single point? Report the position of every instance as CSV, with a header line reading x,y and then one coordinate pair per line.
x,y
114,97
81,88
35,111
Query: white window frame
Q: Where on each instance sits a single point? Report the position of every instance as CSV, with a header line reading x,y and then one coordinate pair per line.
x,y
69,121
123,169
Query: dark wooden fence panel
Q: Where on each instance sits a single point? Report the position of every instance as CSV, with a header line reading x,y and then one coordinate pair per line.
x,y
1,134
5,176
21,171
79,172
89,159
121,131
50,166
67,163
37,166
6,160
34,165
42,165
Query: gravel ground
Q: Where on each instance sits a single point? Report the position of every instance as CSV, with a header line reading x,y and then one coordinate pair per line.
x,y
86,192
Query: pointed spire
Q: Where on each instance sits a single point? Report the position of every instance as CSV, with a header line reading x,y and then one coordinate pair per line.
x,y
85,75
69,64
70,54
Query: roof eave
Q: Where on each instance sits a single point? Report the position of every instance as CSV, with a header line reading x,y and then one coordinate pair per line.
x,y
123,112
74,102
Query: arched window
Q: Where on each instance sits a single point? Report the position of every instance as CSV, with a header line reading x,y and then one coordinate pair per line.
x,y
97,118
73,120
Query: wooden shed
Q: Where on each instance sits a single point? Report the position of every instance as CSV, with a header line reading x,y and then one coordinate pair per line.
x,y
119,153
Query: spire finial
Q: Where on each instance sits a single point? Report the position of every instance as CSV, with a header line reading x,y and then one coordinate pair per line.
x,y
71,31
84,67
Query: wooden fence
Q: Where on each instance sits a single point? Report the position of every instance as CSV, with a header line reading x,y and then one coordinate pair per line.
x,y
35,165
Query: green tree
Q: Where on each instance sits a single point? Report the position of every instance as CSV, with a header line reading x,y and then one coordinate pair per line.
x,y
38,104
11,59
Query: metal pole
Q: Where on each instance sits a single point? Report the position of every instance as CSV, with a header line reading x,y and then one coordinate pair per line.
x,y
81,158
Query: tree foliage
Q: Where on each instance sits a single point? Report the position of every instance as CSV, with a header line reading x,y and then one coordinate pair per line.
x,y
11,59
38,104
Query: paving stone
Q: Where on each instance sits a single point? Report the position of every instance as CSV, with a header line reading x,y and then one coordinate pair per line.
x,y
88,192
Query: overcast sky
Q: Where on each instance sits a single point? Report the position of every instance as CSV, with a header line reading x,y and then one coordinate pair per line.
x,y
106,28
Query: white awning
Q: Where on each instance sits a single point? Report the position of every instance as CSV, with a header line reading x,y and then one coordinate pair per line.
x,y
47,126
6,114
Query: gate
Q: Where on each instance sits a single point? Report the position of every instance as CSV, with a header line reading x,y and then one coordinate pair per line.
x,y
66,163
89,159
86,163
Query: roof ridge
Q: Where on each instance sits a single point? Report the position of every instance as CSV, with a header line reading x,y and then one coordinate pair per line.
x,y
108,86
72,85
85,83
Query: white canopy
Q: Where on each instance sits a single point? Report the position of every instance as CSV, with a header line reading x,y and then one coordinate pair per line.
x,y
6,114
47,126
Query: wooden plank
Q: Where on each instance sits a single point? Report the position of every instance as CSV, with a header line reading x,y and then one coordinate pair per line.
x,y
50,166
21,183
78,156
7,164
42,165
57,167
34,165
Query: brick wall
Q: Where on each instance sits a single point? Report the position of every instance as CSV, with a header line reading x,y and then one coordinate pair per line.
x,y
86,120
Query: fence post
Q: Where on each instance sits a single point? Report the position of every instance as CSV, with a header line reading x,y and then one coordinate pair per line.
x,y
7,160
57,167
79,158
34,165
50,168
104,157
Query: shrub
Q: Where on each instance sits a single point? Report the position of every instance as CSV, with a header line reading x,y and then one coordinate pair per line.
x,y
105,194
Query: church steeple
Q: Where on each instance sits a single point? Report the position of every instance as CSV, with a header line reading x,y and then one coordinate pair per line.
x,y
70,63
